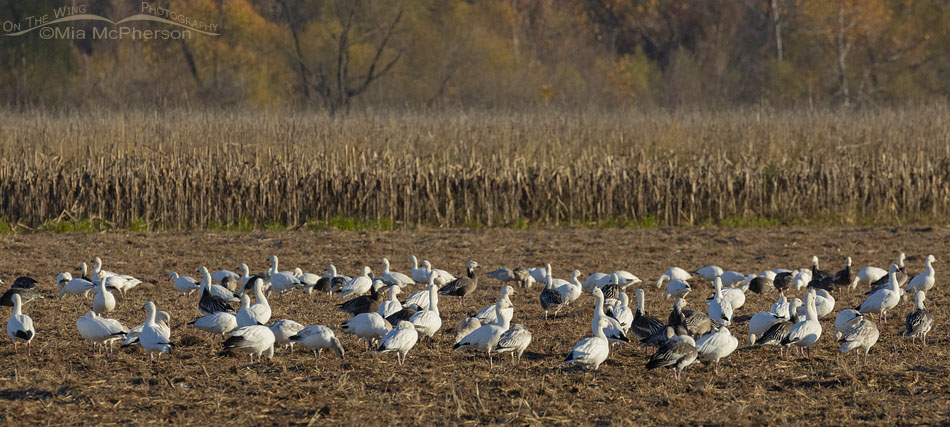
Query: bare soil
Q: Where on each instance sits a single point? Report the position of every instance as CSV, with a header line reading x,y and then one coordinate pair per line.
x,y
67,383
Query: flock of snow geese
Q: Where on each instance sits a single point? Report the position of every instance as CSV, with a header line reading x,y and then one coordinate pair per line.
x,y
385,324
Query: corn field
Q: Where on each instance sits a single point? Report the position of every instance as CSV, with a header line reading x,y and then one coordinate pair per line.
x,y
186,169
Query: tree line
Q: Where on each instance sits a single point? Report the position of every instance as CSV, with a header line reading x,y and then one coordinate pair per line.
x,y
337,55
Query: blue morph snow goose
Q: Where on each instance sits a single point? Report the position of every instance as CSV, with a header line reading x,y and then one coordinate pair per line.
x,y
463,285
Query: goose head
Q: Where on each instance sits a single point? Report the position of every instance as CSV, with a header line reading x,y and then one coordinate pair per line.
x,y
385,263
599,294
847,262
680,304
931,259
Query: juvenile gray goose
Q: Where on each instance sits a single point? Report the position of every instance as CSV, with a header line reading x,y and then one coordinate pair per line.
x,y
919,321
678,353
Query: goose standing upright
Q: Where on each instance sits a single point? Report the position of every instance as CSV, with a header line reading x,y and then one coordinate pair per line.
x,y
104,301
614,330
183,284
623,313
208,303
20,327
282,281
805,334
419,275
392,305
260,308
883,300
463,285
550,299
358,285
923,281
153,338
717,345
401,339
919,321
644,326
429,322
720,309
486,337
572,290
591,352
394,277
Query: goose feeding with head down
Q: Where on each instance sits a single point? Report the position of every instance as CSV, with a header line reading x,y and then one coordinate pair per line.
x,y
709,272
100,331
284,330
400,340
678,353
219,323
863,335
68,285
255,340
370,327
673,273
515,340
316,338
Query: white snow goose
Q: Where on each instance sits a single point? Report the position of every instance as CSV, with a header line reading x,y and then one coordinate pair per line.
x,y
318,337
400,340
715,346
591,352
255,340
20,327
